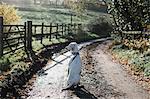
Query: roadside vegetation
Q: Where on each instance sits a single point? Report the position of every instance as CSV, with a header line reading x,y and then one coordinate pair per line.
x,y
135,54
131,49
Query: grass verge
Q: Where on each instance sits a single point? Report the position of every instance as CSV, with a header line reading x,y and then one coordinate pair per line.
x,y
136,63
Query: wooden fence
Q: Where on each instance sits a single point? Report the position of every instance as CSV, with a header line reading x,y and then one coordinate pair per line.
x,y
133,34
15,37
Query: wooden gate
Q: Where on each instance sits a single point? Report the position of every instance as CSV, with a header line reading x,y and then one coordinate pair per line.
x,y
15,37
12,37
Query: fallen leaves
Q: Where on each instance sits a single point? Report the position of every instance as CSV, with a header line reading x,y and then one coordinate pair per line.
x,y
136,73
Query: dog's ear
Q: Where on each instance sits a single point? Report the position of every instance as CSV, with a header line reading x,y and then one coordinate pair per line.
x,y
67,47
72,46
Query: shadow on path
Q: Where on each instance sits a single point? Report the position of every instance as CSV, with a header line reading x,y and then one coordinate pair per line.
x,y
82,93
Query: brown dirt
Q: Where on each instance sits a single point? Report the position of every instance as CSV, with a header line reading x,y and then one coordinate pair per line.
x,y
118,84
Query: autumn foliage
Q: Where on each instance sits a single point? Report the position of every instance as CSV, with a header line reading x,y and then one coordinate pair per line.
x,y
141,44
9,14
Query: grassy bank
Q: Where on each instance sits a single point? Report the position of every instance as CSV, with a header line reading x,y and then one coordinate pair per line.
x,y
136,60
137,64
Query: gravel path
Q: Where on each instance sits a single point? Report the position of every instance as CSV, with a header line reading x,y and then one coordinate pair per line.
x,y
101,78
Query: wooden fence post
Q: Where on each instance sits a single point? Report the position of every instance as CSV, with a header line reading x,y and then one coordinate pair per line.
x,y
1,36
57,31
50,32
62,29
79,28
29,35
71,27
65,29
35,30
25,35
68,28
74,27
42,32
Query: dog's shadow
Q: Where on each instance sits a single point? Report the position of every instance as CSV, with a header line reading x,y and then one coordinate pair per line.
x,y
82,93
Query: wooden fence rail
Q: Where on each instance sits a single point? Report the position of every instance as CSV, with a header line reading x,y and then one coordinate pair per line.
x,y
133,34
14,37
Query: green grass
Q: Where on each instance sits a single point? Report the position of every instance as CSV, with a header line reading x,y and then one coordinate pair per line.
x,y
36,44
55,15
139,60
8,61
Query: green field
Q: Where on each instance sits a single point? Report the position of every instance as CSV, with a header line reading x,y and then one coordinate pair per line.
x,y
39,14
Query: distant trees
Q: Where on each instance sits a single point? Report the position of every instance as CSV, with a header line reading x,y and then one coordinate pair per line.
x,y
57,2
37,1
80,6
127,14
34,1
18,3
130,14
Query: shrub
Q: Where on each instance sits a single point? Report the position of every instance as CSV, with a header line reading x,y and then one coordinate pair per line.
x,y
9,13
4,64
100,26
67,3
140,44
147,69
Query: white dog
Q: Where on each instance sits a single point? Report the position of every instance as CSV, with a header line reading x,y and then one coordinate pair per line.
x,y
74,69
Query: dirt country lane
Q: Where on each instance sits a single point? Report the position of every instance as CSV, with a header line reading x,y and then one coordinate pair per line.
x,y
101,78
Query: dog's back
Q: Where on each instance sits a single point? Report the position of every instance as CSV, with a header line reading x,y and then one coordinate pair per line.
x,y
74,70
